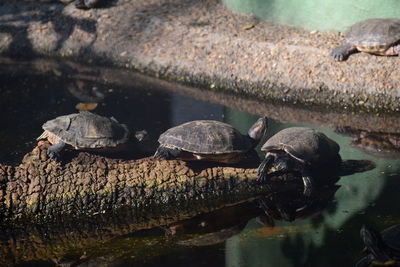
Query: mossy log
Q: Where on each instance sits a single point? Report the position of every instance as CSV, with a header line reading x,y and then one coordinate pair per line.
x,y
41,190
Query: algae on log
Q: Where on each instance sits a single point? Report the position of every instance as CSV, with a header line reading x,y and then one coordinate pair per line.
x,y
41,190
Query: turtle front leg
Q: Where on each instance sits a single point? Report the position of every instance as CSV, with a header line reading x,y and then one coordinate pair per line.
x,y
342,52
308,183
167,153
54,151
277,209
396,50
280,161
263,168
287,213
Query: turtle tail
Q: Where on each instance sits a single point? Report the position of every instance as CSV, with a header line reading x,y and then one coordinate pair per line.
x,y
349,167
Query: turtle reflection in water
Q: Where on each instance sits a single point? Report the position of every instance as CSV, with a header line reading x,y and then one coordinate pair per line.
x,y
383,249
213,227
299,149
88,94
293,204
83,131
209,141
375,36
384,145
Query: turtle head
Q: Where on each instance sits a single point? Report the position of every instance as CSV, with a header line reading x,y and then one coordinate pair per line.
x,y
374,243
258,130
141,135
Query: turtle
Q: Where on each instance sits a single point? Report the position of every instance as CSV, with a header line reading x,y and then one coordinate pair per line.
x,y
83,131
374,36
209,140
299,149
383,249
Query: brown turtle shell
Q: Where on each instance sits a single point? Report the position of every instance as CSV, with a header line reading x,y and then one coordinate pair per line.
x,y
206,137
85,130
374,35
304,144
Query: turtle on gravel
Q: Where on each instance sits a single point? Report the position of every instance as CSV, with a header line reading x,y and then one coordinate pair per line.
x,y
383,249
299,149
375,36
83,130
209,140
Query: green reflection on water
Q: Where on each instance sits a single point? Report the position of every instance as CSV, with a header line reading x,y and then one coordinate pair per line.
x,y
330,238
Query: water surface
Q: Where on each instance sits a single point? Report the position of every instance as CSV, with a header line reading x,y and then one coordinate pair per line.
x,y
328,238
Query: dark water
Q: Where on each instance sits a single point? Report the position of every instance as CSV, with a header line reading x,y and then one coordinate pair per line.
x,y
328,238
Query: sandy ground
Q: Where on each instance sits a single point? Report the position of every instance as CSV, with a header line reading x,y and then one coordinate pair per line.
x,y
203,43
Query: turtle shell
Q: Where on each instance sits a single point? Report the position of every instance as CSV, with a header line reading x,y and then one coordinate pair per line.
x,y
304,144
387,241
374,35
391,237
205,137
86,130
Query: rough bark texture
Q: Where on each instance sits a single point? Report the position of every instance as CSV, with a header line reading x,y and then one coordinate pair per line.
x,y
42,190
50,209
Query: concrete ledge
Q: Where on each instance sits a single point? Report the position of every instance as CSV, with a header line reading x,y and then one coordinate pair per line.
x,y
202,43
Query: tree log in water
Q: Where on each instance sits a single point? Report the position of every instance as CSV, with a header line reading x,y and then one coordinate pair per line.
x,y
49,208
41,190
